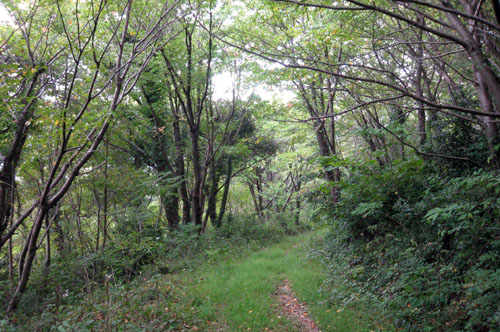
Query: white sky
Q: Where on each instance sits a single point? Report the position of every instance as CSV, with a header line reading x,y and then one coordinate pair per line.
x,y
223,83
222,87
4,16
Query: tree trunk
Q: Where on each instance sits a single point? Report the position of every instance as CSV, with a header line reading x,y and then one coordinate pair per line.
x,y
31,248
419,93
212,196
324,150
105,199
180,169
401,121
255,201
46,265
487,84
297,208
225,194
11,159
336,170
60,240
197,173
171,207
260,197
47,246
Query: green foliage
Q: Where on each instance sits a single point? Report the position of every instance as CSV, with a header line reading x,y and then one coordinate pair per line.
x,y
427,247
372,200
80,289
457,137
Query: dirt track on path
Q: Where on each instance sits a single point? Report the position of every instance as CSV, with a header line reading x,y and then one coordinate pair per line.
x,y
294,310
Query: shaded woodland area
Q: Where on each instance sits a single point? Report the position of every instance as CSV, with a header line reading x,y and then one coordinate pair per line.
x,y
144,137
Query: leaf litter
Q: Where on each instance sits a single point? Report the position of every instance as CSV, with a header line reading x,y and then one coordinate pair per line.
x,y
294,310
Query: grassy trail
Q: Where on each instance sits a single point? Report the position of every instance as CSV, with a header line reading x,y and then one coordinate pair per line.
x,y
237,295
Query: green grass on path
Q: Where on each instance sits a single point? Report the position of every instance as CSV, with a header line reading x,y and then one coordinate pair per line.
x,y
237,295
226,293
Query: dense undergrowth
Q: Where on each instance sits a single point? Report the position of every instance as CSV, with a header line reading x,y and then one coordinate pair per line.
x,y
424,247
427,246
121,287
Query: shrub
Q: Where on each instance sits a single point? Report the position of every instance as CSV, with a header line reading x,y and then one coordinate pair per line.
x,y
426,247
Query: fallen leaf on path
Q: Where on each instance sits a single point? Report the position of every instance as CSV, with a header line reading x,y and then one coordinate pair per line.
x,y
293,309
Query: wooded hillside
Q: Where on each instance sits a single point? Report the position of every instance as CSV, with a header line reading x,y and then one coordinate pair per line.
x,y
142,137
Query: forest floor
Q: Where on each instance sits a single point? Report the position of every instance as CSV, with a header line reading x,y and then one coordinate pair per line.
x,y
279,288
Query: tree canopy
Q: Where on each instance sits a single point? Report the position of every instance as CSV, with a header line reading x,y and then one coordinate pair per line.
x,y
361,114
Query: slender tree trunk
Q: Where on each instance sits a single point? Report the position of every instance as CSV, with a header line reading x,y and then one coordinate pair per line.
x,y
171,207
197,186
419,93
98,226
297,204
180,169
60,240
260,197
255,201
98,229
333,135
47,244
225,194
46,265
336,170
31,248
11,256
401,120
22,257
418,55
212,196
105,198
324,150
434,130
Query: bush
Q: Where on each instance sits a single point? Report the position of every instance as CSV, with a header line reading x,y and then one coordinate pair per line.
x,y
427,248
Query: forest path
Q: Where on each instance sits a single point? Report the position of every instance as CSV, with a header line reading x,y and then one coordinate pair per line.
x,y
293,309
273,289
